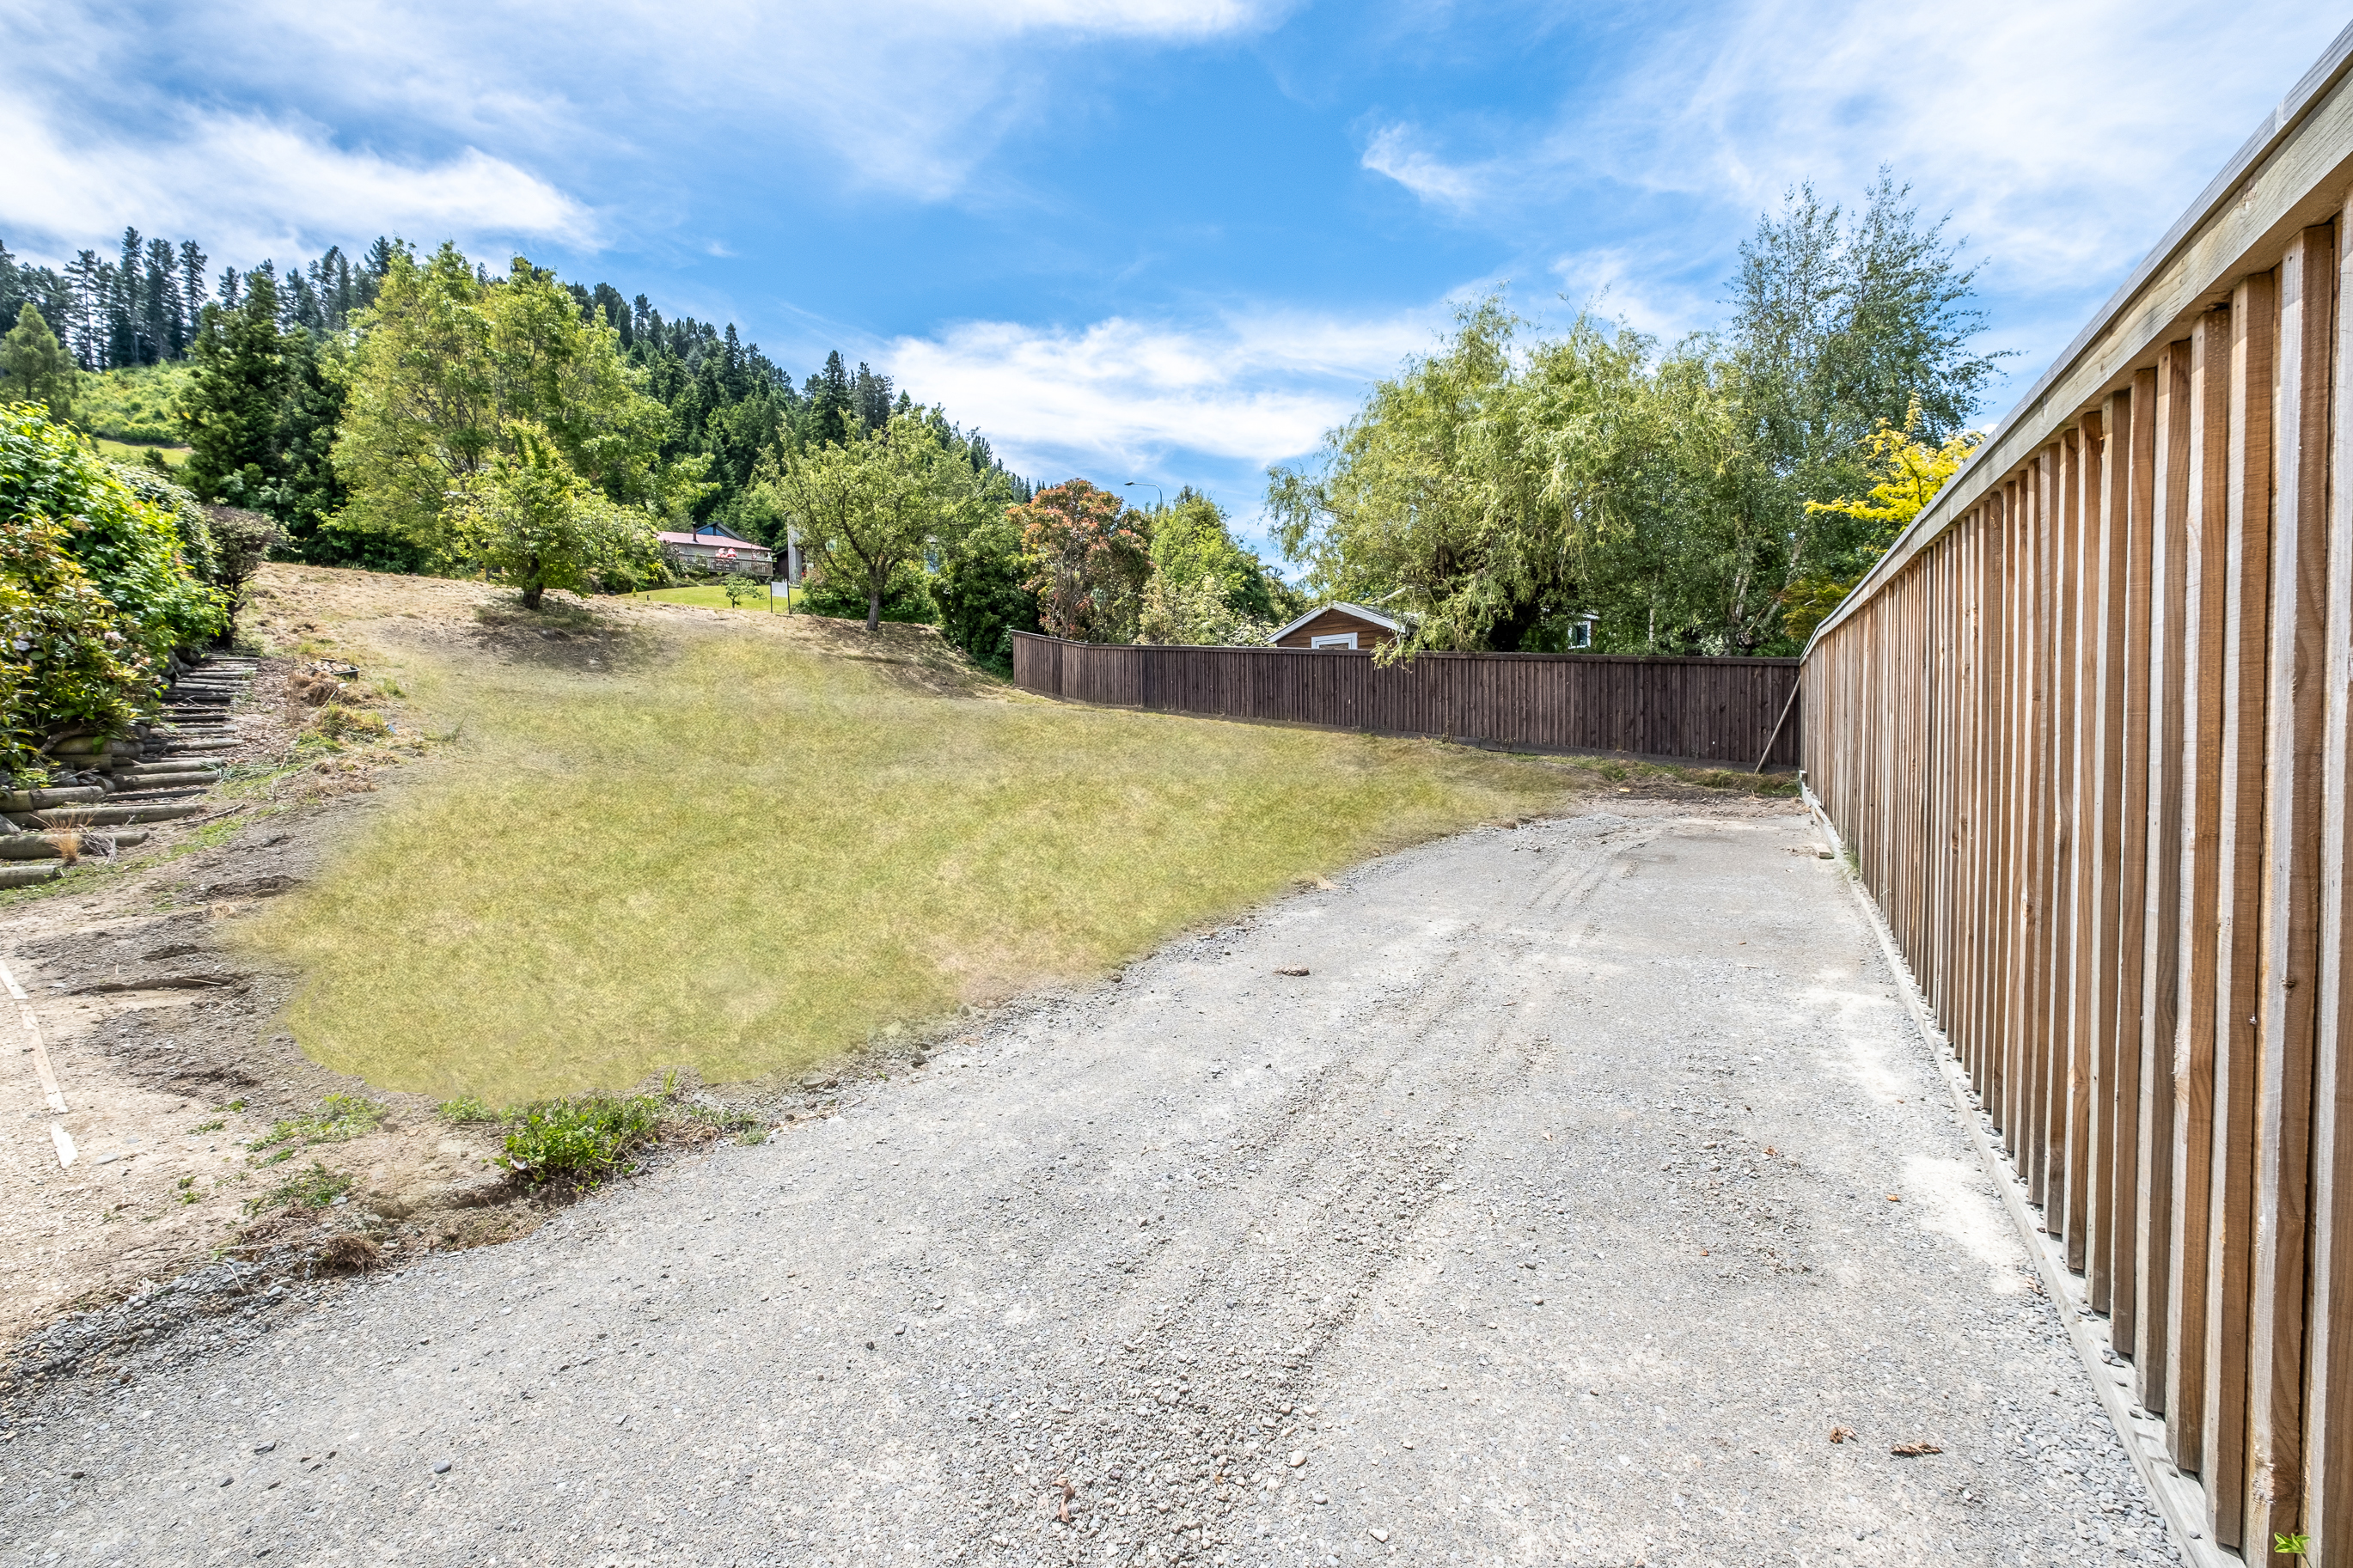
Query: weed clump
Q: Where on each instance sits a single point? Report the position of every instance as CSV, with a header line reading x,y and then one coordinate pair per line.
x,y
315,1188
467,1108
578,1142
340,1117
339,723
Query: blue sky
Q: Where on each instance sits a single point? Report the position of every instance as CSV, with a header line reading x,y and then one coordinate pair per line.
x,y
1135,239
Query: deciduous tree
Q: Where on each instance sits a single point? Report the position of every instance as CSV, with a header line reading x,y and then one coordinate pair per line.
x,y
533,522
452,373
1090,559
868,507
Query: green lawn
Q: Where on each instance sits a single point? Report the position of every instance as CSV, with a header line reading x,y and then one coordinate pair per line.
x,y
740,855
709,598
123,452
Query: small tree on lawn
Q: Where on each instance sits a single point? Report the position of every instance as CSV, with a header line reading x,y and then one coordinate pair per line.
x,y
1089,560
868,506
534,523
741,588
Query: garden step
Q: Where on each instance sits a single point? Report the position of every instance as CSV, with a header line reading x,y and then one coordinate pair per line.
x,y
113,816
49,799
165,769
17,847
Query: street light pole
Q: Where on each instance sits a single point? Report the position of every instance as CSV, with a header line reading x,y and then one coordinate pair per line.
x,y
1160,499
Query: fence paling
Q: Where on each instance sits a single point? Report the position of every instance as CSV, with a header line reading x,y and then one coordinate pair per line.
x,y
1723,710
2089,730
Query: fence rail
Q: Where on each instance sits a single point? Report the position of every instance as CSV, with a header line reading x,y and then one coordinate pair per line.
x,y
2089,729
1703,710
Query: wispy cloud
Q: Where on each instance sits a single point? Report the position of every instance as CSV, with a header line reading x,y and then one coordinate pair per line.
x,y
2062,139
465,119
1395,151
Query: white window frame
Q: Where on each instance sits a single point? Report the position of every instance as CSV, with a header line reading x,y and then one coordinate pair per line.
x,y
1336,639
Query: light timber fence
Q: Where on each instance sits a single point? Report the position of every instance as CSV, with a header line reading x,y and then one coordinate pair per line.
x,y
1727,710
2089,730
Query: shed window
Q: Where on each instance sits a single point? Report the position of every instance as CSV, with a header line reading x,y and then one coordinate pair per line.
x,y
1339,639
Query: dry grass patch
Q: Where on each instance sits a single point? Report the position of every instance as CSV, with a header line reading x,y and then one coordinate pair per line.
x,y
741,855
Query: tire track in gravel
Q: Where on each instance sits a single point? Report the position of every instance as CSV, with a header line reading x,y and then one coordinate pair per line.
x,y
1343,1168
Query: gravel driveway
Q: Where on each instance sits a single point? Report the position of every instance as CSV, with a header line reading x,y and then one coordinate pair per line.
x,y
1591,1177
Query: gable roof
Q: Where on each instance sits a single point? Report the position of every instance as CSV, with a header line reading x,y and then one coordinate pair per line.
x,y
710,534
1362,614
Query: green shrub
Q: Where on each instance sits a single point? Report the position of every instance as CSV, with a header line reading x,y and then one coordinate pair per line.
x,y
138,406
189,521
128,547
467,1108
578,1142
908,598
66,664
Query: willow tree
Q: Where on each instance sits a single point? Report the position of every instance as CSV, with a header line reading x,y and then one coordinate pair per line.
x,y
1473,494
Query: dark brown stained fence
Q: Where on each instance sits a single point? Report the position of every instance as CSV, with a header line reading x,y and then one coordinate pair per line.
x,y
2089,729
1705,710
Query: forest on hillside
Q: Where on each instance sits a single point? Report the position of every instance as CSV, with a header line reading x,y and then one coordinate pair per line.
x,y
428,414
142,305
1714,495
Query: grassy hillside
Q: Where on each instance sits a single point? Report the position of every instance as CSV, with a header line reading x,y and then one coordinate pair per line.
x,y
133,406
734,848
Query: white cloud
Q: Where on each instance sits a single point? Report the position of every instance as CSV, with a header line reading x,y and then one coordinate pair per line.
x,y
1135,396
1621,282
257,186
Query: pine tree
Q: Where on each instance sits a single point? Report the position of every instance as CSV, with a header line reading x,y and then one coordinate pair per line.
x,y
830,407
871,395
159,304
34,368
89,305
122,303
192,283
232,403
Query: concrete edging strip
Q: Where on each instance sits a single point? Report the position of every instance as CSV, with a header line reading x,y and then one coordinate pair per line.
x,y
40,1050
2180,1498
